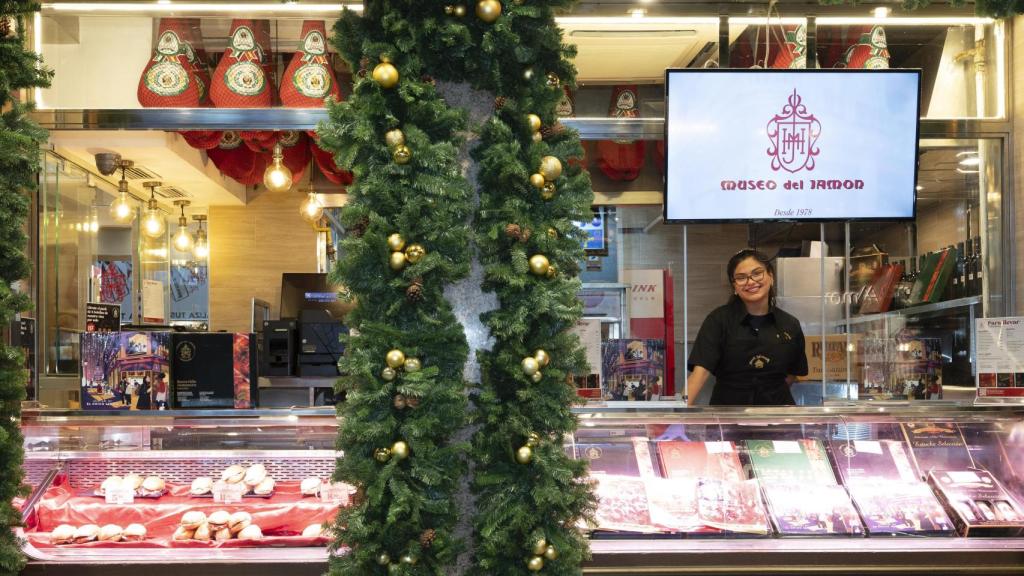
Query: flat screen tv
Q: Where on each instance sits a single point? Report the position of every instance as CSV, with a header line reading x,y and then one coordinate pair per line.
x,y
310,291
755,145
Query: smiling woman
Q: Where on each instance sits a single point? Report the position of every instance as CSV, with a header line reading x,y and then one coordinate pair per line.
x,y
754,349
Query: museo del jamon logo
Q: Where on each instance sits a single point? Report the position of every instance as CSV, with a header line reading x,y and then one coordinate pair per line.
x,y
793,134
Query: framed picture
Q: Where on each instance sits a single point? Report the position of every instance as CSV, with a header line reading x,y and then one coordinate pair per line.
x,y
137,344
596,243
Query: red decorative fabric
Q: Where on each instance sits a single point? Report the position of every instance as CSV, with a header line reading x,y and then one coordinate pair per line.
x,y
240,80
622,160
168,81
198,59
870,52
325,161
789,50
309,77
202,139
232,157
282,517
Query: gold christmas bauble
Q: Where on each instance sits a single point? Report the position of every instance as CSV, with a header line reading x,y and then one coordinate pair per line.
x,y
551,553
383,559
449,9
539,547
533,440
388,373
394,569
528,73
402,154
524,454
534,122
548,191
399,401
400,450
537,180
539,264
394,138
535,564
488,10
396,242
397,260
414,253
460,10
552,272
550,167
542,357
537,136
385,75
395,358
412,365
552,233
530,366
537,377
382,454
408,559
552,80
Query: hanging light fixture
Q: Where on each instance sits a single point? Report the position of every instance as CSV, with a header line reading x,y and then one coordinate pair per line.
x,y
201,247
153,223
277,177
182,238
122,209
311,209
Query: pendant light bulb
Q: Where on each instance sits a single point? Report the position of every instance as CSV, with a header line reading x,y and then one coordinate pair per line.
x,y
277,177
153,224
122,209
311,208
183,238
201,247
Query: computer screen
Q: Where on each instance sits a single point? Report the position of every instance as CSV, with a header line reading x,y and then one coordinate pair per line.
x,y
310,291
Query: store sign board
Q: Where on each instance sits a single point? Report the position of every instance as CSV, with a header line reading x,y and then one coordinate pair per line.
x,y
1000,357
746,145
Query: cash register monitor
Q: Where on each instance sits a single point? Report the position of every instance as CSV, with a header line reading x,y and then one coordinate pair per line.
x,y
310,291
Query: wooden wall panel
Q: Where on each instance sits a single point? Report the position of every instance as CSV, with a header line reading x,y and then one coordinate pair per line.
x,y
250,247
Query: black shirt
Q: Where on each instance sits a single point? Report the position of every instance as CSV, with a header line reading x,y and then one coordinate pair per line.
x,y
750,355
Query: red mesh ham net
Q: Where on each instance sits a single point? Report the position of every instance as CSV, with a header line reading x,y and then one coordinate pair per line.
x,y
240,80
168,80
622,160
871,51
325,161
309,77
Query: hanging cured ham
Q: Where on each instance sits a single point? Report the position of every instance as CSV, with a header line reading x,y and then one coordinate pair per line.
x,y
622,160
309,77
325,161
871,51
240,80
168,80
791,51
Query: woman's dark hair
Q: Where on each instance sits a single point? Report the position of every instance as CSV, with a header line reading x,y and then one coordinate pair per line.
x,y
763,260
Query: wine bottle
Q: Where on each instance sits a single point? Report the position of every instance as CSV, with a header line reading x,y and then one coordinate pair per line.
x,y
972,264
979,268
960,275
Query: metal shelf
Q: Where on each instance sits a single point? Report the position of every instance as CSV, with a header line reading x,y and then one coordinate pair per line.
x,y
911,311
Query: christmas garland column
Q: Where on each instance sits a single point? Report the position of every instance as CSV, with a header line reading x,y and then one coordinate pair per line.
x,y
20,140
530,495
406,240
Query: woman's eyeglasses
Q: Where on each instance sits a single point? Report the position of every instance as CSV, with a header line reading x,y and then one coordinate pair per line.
x,y
757,275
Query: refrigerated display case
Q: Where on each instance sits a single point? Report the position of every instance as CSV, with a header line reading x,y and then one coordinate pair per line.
x,y
837,489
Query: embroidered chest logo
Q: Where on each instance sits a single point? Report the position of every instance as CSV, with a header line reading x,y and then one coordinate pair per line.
x,y
784,336
759,361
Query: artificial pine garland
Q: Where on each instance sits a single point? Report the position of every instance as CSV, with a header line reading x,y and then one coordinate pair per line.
x,y
401,138
20,141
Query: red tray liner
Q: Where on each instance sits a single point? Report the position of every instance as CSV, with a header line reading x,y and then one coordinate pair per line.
x,y
281,517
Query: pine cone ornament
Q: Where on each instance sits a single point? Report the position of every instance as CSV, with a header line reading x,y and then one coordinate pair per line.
x,y
524,236
428,79
364,63
513,231
359,228
414,293
553,130
427,538
6,29
499,102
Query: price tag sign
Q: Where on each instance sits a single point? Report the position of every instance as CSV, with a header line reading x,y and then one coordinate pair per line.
x,y
336,493
228,493
120,495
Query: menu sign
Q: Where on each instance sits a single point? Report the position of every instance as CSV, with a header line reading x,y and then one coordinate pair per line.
x,y
1000,357
102,317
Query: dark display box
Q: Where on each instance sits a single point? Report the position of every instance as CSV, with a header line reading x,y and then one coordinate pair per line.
x,y
213,370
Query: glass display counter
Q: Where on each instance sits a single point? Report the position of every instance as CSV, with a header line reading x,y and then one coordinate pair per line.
x,y
886,488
